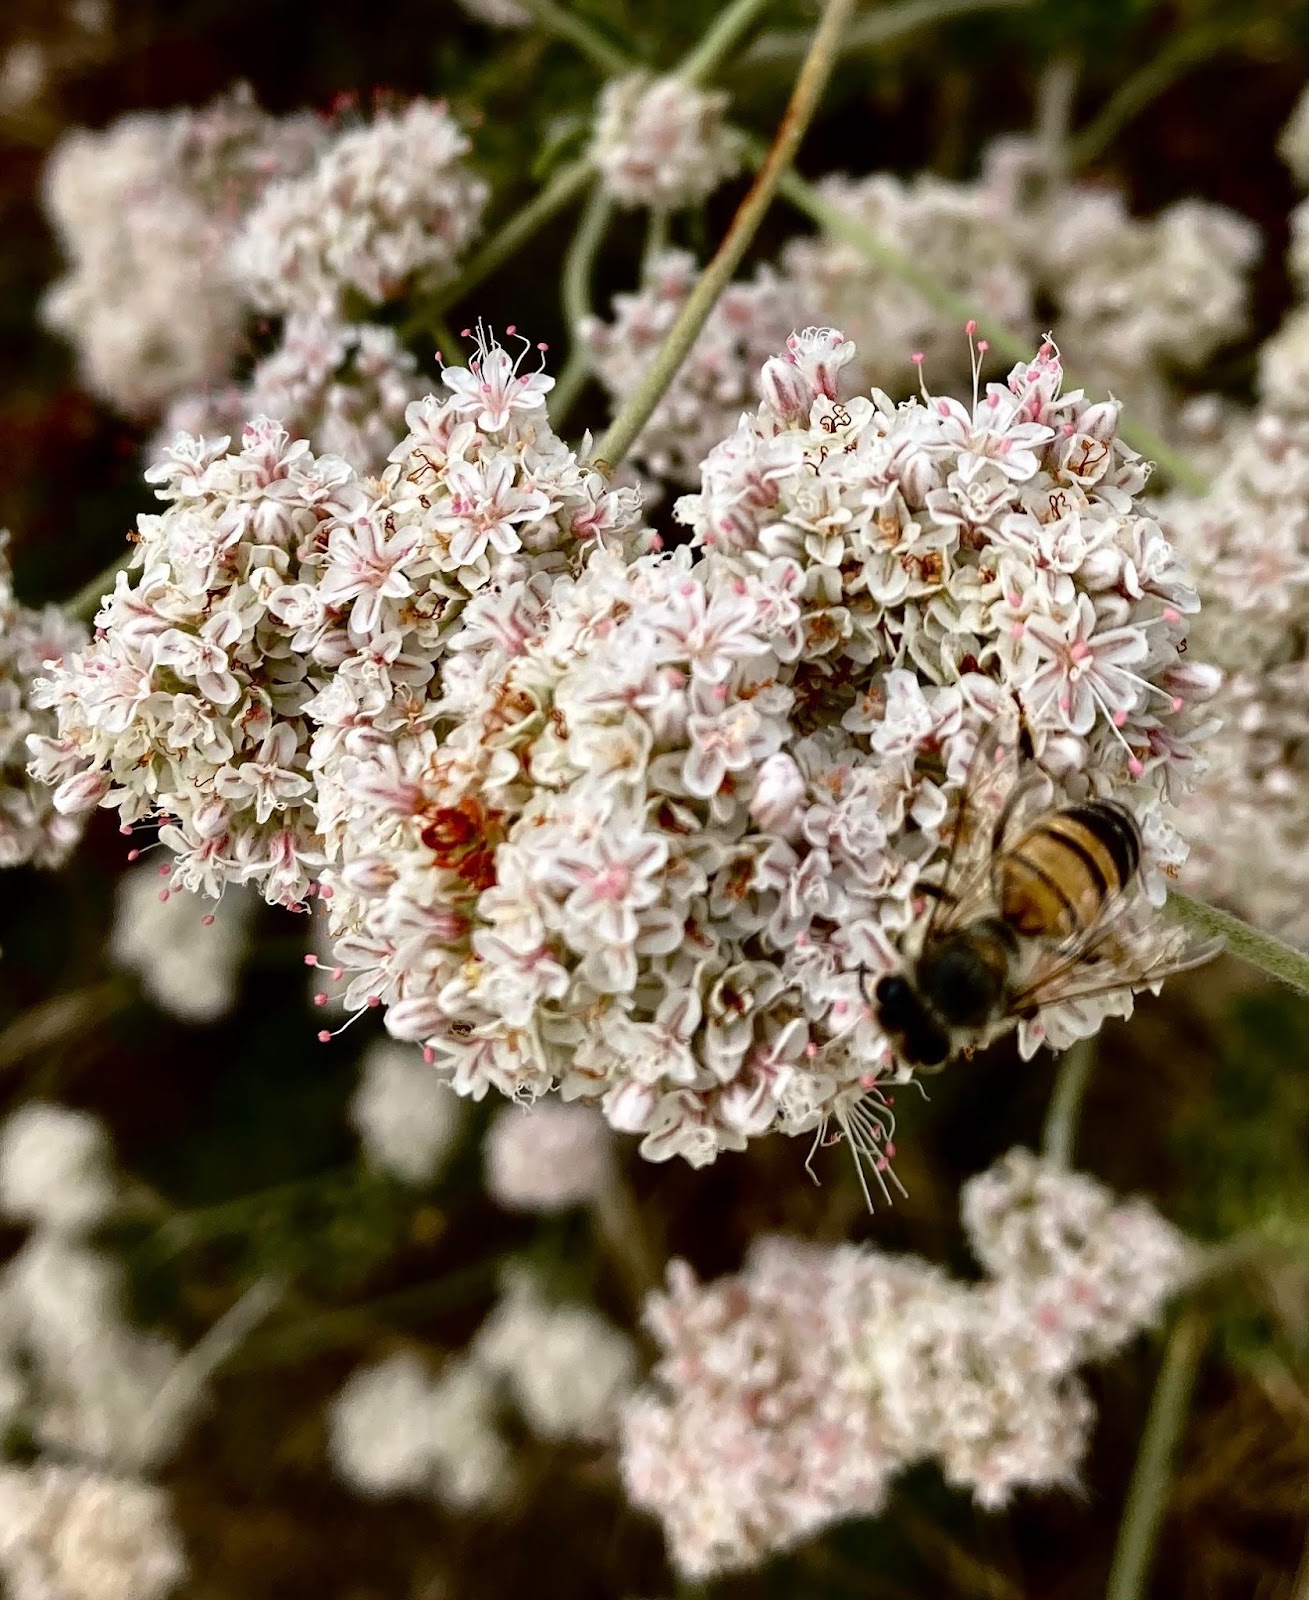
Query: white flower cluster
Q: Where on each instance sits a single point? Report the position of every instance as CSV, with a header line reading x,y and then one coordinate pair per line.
x,y
548,1156
663,813
389,206
407,1117
566,1369
1247,541
343,387
81,1535
792,1395
31,828
662,142
396,1429
56,1169
1134,302
188,706
187,955
83,1380
145,212
479,494
718,379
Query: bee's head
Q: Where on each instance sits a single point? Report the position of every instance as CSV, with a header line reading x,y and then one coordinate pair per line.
x,y
918,1038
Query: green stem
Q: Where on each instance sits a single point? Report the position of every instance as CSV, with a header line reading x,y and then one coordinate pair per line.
x,y
719,40
61,1019
656,241
447,343
870,33
1182,52
562,189
328,1330
1066,1101
1281,961
805,96
1148,1491
575,294
564,24
841,225
86,602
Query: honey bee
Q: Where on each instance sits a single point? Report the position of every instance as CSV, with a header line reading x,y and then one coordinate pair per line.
x,y
1039,904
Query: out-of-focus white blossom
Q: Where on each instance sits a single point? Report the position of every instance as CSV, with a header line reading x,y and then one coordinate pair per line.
x,y
662,142
145,211
1248,542
70,1534
98,1388
548,1156
56,1168
641,836
389,206
186,950
1293,146
344,388
407,1116
397,1430
187,708
792,1395
715,383
498,13
31,827
566,1367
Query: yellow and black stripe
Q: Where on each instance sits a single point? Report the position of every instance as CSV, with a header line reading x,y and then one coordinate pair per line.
x,y
1055,880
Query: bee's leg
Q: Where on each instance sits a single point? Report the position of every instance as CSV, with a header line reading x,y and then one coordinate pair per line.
x,y
935,891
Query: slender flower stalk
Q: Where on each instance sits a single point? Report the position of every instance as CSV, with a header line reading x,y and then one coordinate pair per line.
x,y
805,98
566,25
720,39
1182,52
1075,1066
1148,1492
566,185
575,294
872,32
1278,960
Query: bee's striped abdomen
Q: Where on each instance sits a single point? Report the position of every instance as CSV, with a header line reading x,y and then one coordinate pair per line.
x,y
1055,880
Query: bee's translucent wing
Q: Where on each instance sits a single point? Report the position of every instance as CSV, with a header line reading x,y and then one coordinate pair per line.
x,y
994,790
1110,956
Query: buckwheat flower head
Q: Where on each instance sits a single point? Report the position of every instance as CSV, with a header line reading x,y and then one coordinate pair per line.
x,y
408,1118
344,387
547,1156
80,1535
145,211
187,952
656,818
791,1395
662,142
566,1367
31,828
396,1430
187,707
1092,1270
715,383
56,1168
389,206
